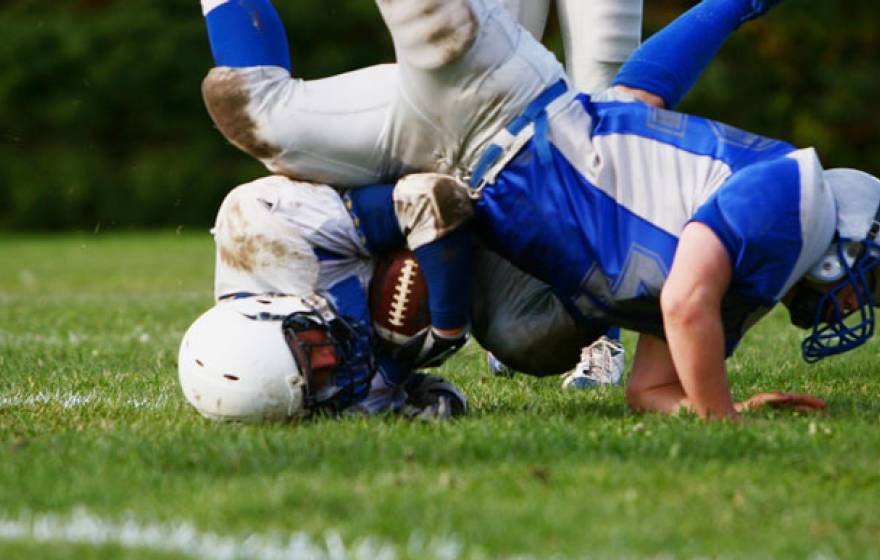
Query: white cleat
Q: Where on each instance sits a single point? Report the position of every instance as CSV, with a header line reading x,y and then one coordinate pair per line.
x,y
601,364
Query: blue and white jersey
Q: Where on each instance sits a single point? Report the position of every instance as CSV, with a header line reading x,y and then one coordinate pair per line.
x,y
600,223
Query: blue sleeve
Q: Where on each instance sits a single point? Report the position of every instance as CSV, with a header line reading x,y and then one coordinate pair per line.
x,y
350,300
756,215
374,217
669,63
247,33
447,264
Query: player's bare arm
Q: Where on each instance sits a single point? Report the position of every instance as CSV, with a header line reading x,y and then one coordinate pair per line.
x,y
654,386
691,307
688,370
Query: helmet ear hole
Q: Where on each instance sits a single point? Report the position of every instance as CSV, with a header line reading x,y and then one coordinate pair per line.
x,y
839,257
828,269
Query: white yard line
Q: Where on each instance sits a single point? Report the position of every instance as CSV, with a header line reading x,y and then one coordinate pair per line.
x,y
105,298
140,335
82,527
76,400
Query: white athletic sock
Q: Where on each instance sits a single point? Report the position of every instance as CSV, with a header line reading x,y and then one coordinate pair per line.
x,y
531,14
599,35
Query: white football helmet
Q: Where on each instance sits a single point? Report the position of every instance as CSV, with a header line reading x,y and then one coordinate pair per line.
x,y
262,358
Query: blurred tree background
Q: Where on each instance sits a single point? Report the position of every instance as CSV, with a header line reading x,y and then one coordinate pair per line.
x,y
102,124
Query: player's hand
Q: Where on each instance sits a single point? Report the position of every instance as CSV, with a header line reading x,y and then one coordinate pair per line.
x,y
431,397
777,399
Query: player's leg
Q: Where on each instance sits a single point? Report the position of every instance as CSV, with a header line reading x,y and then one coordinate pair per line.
x,y
275,235
246,33
520,320
330,131
598,36
669,63
531,14
466,70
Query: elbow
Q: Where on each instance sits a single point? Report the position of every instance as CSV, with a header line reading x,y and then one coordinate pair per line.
x,y
687,308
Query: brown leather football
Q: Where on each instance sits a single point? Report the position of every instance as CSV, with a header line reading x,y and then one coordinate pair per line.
x,y
398,298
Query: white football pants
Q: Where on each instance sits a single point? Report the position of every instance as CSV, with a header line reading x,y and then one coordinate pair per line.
x,y
266,234
598,35
433,111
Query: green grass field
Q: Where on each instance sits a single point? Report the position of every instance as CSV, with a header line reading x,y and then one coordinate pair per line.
x,y
100,457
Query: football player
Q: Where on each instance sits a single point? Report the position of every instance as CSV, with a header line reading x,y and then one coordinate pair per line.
x,y
609,199
259,354
726,222
289,334
597,37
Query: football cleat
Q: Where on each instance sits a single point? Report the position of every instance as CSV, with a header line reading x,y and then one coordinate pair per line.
x,y
431,397
601,363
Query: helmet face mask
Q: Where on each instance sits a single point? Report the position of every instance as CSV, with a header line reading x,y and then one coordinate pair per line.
x,y
842,286
837,328
334,357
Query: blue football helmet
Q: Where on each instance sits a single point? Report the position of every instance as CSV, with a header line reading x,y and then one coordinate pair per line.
x,y
848,267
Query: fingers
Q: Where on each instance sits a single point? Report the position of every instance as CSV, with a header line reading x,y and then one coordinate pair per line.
x,y
777,399
799,401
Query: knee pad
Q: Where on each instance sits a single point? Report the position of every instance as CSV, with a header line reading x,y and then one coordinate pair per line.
x,y
430,205
227,98
430,34
257,249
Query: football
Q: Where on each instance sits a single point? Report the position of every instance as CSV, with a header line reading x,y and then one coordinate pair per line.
x,y
398,298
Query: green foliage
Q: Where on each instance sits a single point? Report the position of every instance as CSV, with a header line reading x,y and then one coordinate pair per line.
x,y
533,471
102,124
101,119
806,73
